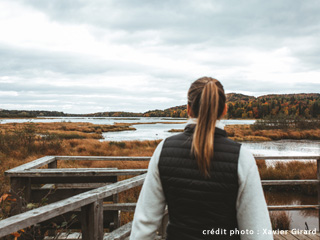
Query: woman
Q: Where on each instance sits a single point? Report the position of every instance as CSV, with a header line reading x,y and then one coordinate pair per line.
x,y
210,183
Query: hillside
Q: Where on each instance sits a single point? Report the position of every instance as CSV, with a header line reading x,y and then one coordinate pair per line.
x,y
240,106
243,106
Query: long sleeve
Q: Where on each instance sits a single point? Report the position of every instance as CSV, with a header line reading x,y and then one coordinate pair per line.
x,y
252,212
151,203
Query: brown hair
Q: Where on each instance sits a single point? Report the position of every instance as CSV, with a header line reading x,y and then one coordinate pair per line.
x,y
207,100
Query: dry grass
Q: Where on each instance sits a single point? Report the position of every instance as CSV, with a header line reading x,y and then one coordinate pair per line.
x,y
82,129
20,146
280,220
291,170
246,133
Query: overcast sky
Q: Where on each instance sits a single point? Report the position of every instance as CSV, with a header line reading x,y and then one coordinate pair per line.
x,y
80,56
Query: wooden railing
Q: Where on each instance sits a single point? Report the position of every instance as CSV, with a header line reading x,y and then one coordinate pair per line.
x,y
86,191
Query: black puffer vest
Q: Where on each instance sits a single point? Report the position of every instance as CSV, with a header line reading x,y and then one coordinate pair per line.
x,y
196,204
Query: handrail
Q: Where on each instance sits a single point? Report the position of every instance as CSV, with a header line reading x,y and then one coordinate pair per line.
x,y
83,200
47,212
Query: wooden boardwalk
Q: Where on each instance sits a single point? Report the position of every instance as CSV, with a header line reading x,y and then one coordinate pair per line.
x,y
92,195
289,235
294,235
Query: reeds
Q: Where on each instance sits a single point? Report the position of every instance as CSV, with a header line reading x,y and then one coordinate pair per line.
x,y
247,133
280,220
289,170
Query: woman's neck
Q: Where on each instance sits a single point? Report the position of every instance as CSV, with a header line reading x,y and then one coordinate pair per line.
x,y
219,123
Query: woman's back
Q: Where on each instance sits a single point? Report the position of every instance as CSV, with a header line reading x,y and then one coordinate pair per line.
x,y
210,183
194,202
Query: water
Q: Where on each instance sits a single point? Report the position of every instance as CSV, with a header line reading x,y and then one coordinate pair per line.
x,y
112,120
160,131
299,219
157,131
142,132
94,120
284,148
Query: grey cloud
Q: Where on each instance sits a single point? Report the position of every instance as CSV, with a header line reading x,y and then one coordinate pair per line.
x,y
188,22
259,88
28,61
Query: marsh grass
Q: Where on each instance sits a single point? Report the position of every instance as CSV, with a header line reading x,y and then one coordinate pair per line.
x,y
21,143
280,220
241,132
247,133
289,170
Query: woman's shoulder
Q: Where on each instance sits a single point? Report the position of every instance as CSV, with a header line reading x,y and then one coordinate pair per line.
x,y
246,162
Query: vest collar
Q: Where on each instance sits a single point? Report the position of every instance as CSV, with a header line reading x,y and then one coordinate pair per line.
x,y
191,124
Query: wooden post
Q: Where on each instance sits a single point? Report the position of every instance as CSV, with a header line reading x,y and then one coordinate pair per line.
x,y
53,164
116,217
92,221
318,176
21,190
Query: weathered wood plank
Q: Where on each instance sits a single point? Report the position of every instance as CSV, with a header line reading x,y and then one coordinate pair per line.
x,y
120,233
258,157
120,206
73,179
289,182
278,237
79,172
293,236
107,220
102,158
293,207
315,236
20,188
70,236
303,236
57,194
53,164
142,158
116,214
318,177
41,214
92,221
73,186
288,236
31,165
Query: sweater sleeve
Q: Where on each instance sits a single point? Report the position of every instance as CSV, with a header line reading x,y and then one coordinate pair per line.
x,y
252,212
151,203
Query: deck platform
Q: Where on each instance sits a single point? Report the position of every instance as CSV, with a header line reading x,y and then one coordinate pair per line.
x,y
294,235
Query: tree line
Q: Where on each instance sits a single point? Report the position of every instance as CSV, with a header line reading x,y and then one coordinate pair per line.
x,y
239,106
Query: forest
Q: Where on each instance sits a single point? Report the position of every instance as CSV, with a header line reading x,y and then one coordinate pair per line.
x,y
240,106
248,107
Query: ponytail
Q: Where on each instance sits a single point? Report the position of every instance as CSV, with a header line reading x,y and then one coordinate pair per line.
x,y
207,100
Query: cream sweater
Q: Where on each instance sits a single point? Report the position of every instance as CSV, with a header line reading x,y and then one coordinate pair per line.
x,y
252,213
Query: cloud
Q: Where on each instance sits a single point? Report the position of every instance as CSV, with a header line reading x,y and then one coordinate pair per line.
x,y
134,55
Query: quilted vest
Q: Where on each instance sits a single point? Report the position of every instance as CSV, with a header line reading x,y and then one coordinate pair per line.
x,y
198,206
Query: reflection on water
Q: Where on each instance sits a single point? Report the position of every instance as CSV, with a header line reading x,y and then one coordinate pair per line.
x,y
143,132
299,219
94,120
156,131
284,147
